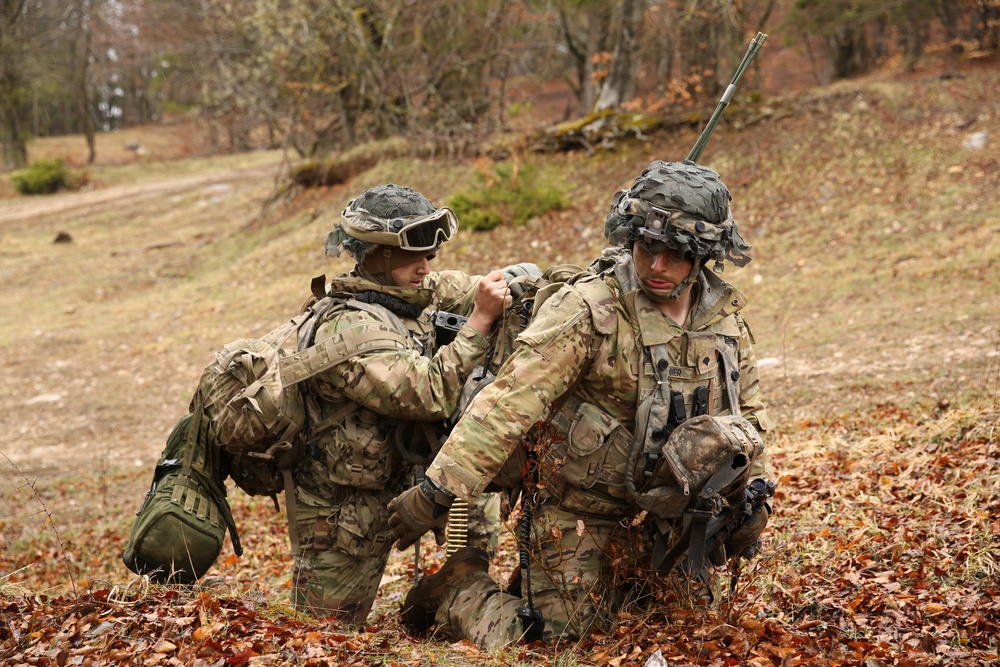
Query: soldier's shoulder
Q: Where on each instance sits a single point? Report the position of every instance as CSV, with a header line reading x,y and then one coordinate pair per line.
x,y
570,301
600,299
436,280
364,323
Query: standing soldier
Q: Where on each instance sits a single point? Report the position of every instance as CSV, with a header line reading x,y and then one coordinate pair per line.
x,y
373,417
645,370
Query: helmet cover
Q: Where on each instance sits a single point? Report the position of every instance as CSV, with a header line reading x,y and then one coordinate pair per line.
x,y
389,215
679,205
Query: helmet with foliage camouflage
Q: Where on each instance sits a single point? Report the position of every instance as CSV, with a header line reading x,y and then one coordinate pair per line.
x,y
682,206
390,215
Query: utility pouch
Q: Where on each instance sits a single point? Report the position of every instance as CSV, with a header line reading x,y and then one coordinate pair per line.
x,y
178,532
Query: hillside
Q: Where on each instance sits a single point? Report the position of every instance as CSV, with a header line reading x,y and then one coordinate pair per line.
x,y
875,303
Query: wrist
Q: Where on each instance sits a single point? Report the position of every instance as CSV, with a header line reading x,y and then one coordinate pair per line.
x,y
436,494
480,321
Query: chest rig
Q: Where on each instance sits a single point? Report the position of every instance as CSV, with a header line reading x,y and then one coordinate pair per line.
x,y
684,374
350,445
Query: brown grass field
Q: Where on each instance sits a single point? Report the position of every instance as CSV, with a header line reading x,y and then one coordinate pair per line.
x,y
875,302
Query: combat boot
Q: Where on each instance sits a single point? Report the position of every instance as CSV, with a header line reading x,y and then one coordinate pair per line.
x,y
422,602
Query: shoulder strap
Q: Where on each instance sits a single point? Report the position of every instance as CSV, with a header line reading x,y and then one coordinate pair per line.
x,y
731,371
215,490
355,340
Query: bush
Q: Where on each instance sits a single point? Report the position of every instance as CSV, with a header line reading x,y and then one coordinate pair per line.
x,y
41,178
505,194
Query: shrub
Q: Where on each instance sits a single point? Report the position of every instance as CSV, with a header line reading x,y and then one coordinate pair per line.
x,y
41,178
505,194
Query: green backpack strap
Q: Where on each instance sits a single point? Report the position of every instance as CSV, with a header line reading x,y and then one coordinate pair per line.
x,y
210,480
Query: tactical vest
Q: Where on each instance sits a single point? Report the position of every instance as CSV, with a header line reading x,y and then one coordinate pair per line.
x,y
349,445
603,466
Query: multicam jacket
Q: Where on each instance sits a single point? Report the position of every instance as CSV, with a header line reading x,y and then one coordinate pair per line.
x,y
365,414
590,342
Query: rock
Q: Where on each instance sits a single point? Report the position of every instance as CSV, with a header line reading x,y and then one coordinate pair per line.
x,y
975,141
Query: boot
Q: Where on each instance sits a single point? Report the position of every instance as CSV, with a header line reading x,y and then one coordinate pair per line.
x,y
422,602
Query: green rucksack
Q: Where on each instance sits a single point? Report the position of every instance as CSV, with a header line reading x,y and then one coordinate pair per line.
x,y
178,532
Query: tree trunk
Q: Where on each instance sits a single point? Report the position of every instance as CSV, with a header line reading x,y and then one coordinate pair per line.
x,y
81,75
619,86
12,85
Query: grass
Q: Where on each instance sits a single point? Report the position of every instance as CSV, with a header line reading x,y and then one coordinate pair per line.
x,y
874,298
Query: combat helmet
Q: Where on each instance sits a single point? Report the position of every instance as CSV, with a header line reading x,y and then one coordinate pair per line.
x,y
387,217
682,206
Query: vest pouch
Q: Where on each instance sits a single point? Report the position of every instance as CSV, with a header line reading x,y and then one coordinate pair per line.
x,y
357,451
179,530
261,473
597,448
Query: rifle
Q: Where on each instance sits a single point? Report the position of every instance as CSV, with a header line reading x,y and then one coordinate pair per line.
x,y
710,526
699,146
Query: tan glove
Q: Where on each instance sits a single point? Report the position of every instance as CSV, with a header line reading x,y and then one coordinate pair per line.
x,y
419,509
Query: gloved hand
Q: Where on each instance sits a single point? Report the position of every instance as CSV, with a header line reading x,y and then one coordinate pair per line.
x,y
749,533
419,509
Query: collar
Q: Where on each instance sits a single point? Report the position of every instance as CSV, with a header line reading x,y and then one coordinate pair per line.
x,y
351,284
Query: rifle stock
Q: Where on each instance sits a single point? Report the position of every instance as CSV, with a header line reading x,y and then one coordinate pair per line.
x,y
717,530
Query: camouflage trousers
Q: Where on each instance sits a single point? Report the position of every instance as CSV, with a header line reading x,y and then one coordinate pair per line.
x,y
577,573
344,547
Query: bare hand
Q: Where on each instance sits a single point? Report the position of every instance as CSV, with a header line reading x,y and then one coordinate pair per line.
x,y
492,295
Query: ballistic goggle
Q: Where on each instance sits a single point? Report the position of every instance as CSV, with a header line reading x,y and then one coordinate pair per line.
x,y
414,233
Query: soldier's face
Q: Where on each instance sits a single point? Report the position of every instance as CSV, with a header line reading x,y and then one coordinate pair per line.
x,y
412,274
660,272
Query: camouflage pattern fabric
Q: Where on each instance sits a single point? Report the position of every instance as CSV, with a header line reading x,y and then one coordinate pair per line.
x,y
361,460
553,351
484,523
572,584
343,551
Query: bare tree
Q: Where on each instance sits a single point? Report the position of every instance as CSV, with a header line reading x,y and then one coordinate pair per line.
x,y
82,58
619,86
583,27
13,89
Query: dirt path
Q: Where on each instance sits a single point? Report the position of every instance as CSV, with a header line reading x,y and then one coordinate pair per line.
x,y
24,208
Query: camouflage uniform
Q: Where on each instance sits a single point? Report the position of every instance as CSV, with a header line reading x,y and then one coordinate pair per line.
x,y
589,341
376,414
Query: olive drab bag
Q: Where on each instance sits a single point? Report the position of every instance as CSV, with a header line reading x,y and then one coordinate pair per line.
x,y
180,527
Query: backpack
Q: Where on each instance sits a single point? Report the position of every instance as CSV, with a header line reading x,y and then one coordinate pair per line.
x,y
252,397
178,531
245,419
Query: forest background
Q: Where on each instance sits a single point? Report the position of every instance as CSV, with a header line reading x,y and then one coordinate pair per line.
x,y
201,149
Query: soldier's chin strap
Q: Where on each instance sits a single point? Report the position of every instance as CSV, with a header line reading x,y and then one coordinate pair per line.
x,y
377,266
675,294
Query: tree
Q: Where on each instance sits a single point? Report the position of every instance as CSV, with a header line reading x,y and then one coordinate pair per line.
x,y
583,26
619,85
13,90
82,57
